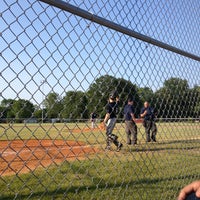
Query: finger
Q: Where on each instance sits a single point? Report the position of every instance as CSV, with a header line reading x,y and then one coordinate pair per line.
x,y
193,187
182,195
198,193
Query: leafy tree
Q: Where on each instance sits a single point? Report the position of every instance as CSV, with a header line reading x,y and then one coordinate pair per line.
x,y
22,109
195,101
146,94
53,105
6,111
197,110
7,103
126,89
98,93
3,113
172,99
38,112
75,105
18,109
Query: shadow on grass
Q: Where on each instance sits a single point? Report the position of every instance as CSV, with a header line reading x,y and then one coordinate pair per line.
x,y
166,145
100,184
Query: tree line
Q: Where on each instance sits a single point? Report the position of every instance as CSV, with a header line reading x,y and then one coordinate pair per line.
x,y
174,100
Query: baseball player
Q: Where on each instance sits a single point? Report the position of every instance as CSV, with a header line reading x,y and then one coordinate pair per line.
x,y
149,122
131,127
110,121
93,120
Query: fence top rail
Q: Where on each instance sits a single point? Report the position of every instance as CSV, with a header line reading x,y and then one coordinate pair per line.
x,y
90,16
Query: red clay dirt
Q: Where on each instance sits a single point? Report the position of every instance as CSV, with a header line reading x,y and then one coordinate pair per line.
x,y
23,156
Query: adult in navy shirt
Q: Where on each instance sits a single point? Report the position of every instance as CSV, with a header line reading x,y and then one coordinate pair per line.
x,y
130,125
149,124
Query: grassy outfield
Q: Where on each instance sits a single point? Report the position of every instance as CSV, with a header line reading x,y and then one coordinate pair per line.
x,y
81,131
124,175
146,171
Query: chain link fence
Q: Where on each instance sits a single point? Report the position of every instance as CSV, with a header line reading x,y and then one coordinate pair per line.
x,y
59,63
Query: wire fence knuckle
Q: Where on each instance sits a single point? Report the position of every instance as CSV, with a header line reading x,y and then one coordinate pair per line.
x,y
98,99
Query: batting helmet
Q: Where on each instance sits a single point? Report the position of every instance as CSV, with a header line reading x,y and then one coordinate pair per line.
x,y
113,94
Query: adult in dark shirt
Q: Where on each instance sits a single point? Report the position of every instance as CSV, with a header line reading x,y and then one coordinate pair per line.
x,y
110,121
149,124
130,125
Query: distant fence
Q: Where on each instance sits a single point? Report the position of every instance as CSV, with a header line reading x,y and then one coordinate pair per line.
x,y
120,120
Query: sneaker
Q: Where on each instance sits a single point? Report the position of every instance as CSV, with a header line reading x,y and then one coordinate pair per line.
x,y
153,139
120,145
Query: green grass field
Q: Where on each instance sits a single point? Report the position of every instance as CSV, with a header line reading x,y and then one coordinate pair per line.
x,y
146,171
76,131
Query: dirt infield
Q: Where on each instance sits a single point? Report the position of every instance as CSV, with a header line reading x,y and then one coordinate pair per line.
x,y
23,156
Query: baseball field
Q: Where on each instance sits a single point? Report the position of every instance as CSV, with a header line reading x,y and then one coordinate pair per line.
x,y
69,161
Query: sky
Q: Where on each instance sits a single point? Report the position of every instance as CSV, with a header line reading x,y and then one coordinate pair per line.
x,y
44,49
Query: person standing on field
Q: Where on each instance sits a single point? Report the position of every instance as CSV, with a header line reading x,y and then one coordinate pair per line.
x,y
130,125
149,122
110,120
93,119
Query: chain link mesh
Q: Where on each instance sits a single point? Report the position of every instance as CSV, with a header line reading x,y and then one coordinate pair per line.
x,y
58,68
